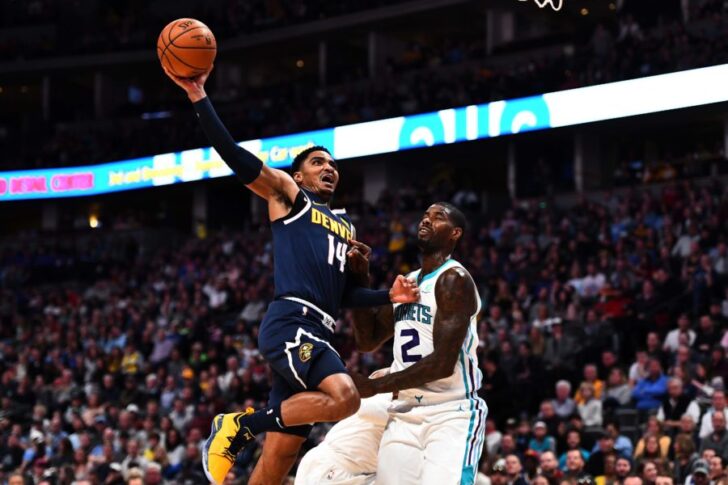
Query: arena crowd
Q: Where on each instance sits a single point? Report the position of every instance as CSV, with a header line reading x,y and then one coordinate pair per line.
x,y
602,342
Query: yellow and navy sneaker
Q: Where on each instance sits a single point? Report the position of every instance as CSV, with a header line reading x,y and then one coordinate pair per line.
x,y
225,441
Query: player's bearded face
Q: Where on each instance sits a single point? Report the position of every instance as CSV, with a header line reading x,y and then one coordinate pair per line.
x,y
434,229
319,173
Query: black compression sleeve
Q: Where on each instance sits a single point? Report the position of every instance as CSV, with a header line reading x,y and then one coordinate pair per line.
x,y
245,165
358,297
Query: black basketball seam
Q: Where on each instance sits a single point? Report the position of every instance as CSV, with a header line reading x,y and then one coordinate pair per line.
x,y
187,64
169,64
166,46
190,47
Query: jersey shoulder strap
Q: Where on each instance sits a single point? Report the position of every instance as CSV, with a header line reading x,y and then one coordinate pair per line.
x,y
300,205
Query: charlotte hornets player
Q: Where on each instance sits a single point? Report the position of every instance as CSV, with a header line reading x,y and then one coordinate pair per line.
x,y
311,243
437,421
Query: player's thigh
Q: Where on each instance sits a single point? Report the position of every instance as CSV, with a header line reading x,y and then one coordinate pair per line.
x,y
453,444
280,451
320,465
299,351
400,456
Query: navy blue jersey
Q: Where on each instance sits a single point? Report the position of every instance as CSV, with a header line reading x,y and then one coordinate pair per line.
x,y
309,252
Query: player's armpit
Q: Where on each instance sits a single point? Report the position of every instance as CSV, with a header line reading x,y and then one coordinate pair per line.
x,y
456,303
275,186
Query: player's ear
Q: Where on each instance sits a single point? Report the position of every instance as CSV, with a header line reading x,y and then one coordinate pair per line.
x,y
457,233
298,177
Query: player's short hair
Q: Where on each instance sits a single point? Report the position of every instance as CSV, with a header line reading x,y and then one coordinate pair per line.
x,y
456,216
305,153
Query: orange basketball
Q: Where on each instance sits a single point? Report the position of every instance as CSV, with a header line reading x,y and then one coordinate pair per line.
x,y
186,47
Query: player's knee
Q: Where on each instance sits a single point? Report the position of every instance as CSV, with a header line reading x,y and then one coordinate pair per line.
x,y
346,402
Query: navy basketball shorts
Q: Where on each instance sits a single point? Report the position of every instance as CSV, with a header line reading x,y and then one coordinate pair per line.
x,y
296,345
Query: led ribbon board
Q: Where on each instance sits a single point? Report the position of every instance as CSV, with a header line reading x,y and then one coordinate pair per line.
x,y
552,110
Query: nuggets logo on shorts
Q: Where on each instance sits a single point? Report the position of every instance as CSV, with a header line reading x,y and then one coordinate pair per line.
x,y
304,352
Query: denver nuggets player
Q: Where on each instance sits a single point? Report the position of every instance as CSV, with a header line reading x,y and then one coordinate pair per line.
x,y
437,421
311,244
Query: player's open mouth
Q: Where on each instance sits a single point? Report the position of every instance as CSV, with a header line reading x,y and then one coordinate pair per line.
x,y
424,230
327,179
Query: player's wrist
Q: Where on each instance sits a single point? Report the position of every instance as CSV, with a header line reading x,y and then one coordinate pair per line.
x,y
196,95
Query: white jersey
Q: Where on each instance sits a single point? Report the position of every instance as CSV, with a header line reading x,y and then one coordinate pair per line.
x,y
348,453
413,340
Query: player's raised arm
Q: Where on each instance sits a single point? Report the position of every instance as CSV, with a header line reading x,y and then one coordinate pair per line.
x,y
456,303
271,184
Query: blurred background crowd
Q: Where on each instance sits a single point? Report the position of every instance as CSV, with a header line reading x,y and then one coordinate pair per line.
x,y
603,331
600,252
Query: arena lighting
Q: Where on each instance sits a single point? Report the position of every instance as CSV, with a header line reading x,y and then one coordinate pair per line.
x,y
552,110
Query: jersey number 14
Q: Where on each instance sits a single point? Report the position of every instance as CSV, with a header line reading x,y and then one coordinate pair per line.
x,y
337,253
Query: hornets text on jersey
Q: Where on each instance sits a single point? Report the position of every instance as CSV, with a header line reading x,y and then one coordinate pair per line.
x,y
309,251
413,339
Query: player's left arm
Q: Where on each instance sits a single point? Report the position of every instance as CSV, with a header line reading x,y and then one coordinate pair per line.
x,y
456,303
357,293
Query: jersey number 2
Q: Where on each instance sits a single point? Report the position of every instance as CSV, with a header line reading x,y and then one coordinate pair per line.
x,y
337,250
407,346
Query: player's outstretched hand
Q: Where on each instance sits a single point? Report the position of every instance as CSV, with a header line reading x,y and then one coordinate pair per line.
x,y
404,291
193,86
358,258
363,385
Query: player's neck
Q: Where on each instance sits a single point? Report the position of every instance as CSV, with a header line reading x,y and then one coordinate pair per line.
x,y
432,261
324,198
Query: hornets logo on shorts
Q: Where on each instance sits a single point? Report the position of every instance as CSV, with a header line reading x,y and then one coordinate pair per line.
x,y
304,352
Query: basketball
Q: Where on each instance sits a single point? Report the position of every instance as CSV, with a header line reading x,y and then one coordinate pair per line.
x,y
186,47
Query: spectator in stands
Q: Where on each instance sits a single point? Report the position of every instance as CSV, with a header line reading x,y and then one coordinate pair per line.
x,y
718,404
675,404
622,444
559,358
700,473
547,414
638,370
590,377
549,468
661,445
649,473
574,465
514,471
609,476
622,469
673,338
573,442
617,392
591,408
492,437
605,446
650,451
718,438
564,406
716,469
707,336
685,457
648,392
540,441
498,473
